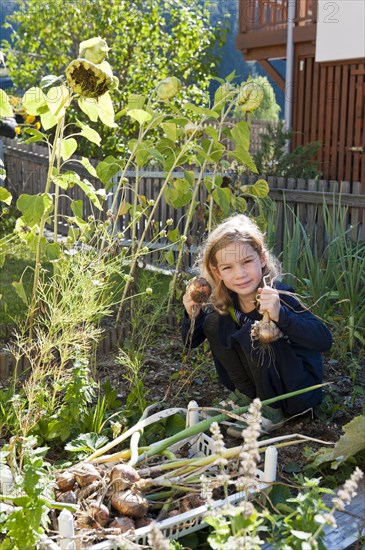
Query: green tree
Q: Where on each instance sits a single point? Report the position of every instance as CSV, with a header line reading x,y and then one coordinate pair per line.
x,y
149,39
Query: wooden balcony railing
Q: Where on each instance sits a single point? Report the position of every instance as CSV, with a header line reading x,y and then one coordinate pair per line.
x,y
270,15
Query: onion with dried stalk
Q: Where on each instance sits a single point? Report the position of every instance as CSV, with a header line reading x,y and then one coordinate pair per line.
x,y
66,481
124,524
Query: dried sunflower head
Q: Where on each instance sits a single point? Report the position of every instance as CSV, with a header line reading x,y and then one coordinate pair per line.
x,y
89,80
250,97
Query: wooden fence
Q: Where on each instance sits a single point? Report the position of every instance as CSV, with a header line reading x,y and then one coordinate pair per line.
x,y
26,167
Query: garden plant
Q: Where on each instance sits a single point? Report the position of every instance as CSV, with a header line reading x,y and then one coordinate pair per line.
x,y
59,423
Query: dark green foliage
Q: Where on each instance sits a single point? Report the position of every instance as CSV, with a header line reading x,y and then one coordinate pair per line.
x,y
272,160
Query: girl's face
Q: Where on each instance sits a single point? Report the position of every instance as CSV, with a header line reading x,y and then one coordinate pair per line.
x,y
239,266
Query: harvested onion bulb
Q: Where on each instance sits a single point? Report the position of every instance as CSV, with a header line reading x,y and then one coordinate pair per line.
x,y
265,330
130,503
199,290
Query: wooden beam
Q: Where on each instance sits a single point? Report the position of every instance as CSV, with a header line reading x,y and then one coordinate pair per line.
x,y
271,71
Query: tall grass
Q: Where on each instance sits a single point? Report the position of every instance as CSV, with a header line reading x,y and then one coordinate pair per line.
x,y
332,284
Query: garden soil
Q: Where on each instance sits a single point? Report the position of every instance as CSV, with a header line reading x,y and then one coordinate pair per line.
x,y
169,374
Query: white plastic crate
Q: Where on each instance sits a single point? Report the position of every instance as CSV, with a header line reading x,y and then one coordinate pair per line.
x,y
193,520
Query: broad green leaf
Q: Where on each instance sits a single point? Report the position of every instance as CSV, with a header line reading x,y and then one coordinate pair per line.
x,y
208,182
107,168
202,111
48,120
35,102
52,251
89,167
174,424
189,176
5,196
89,133
173,235
20,290
77,208
221,96
66,180
212,132
222,198
140,115
57,99
106,110
179,195
36,135
33,207
136,101
170,130
90,192
90,107
243,157
68,147
240,134
5,106
350,443
169,257
261,189
73,235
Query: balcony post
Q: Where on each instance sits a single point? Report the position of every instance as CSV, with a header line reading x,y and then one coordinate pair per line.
x,y
289,68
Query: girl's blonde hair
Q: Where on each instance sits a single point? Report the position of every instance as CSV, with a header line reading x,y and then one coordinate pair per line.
x,y
236,229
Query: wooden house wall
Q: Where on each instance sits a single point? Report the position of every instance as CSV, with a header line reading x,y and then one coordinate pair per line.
x,y
329,107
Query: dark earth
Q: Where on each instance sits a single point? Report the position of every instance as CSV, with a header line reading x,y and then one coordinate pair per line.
x,y
167,372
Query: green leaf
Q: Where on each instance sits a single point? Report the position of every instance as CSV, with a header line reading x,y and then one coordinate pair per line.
x,y
5,106
68,147
107,168
302,535
33,207
170,130
174,424
202,111
36,135
89,133
212,132
180,194
77,208
5,196
243,157
173,235
57,98
259,189
136,101
20,290
52,251
48,120
89,167
140,115
349,444
169,257
240,134
106,110
35,102
222,198
90,192
90,107
66,180
86,442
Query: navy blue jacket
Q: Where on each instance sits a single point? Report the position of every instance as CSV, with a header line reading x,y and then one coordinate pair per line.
x,y
293,362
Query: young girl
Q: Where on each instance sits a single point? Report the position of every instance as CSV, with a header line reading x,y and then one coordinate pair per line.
x,y
243,276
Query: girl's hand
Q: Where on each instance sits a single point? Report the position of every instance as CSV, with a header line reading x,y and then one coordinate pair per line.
x,y
269,301
192,308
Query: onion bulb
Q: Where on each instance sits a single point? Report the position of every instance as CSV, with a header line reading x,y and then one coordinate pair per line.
x,y
130,503
199,290
122,476
265,330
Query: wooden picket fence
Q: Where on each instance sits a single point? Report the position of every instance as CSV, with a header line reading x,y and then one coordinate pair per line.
x,y
26,167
